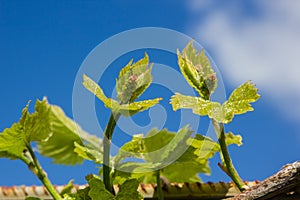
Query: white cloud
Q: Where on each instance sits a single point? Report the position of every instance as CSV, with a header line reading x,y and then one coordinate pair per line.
x,y
265,49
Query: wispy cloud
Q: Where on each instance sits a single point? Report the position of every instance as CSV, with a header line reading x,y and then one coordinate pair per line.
x,y
264,47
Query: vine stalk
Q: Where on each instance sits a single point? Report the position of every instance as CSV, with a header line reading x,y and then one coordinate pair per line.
x,y
160,194
233,174
40,173
106,150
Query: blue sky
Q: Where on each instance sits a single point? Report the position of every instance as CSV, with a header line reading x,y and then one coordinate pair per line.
x,y
43,44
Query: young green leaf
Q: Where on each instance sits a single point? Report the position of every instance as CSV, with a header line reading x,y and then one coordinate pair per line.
x,y
204,147
127,109
133,80
65,132
12,144
230,138
35,126
89,153
238,103
170,150
82,194
156,147
97,189
14,141
186,171
167,150
94,88
128,190
197,70
240,99
136,107
134,148
198,105
68,188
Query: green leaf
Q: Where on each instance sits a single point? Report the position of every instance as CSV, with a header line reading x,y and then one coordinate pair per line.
x,y
142,171
230,138
129,190
190,164
12,144
60,147
168,150
185,171
157,146
135,107
35,126
54,133
97,189
94,88
239,100
133,80
204,147
126,110
198,105
81,194
134,148
238,103
68,188
14,141
197,70
89,153
193,161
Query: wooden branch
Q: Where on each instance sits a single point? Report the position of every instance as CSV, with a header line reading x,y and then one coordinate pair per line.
x,y
283,185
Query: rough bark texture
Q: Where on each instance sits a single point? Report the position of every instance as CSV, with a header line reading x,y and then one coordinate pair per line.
x,y
283,185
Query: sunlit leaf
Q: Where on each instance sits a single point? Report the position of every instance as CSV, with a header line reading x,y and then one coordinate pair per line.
x,y
240,99
238,103
230,138
14,141
97,189
89,153
128,190
68,188
204,147
133,80
197,70
81,194
198,105
94,88
167,150
134,148
65,132
138,106
127,109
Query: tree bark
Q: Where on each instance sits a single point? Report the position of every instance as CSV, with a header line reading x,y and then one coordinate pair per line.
x,y
283,185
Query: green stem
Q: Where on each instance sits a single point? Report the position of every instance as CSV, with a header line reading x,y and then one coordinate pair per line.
x,y
39,172
160,193
228,163
106,150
